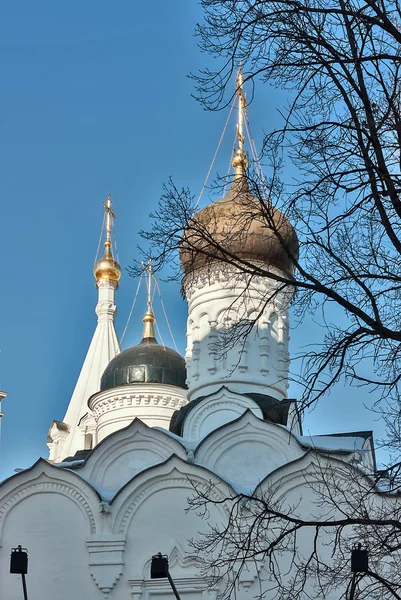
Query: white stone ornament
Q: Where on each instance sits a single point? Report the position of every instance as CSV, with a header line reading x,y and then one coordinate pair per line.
x,y
106,561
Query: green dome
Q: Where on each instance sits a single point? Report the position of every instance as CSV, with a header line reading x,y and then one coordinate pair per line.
x,y
148,362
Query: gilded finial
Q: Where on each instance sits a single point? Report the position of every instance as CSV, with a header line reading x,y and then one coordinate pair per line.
x,y
149,318
109,218
107,267
240,160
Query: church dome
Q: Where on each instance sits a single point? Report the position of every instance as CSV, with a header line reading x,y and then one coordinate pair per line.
x,y
240,225
148,362
107,268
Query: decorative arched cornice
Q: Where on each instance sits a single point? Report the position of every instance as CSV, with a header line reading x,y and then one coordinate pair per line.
x,y
280,447
41,478
173,473
310,469
247,417
223,398
135,434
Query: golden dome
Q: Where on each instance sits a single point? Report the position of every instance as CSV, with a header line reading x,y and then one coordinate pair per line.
x,y
107,267
239,225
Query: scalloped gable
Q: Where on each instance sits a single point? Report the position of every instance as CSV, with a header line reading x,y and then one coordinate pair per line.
x,y
176,474
45,478
303,473
127,452
244,451
215,410
51,512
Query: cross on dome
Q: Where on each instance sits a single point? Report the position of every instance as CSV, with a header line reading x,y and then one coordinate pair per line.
x,y
240,160
149,318
107,268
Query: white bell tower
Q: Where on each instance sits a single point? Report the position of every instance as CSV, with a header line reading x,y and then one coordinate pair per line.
x,y
76,431
237,331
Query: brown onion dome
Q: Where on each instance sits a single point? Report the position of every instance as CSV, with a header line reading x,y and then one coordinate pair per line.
x,y
239,225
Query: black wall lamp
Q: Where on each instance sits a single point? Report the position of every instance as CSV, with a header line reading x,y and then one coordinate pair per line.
x,y
19,565
159,570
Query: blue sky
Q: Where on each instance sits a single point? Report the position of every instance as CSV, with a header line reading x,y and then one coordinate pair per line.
x,y
95,99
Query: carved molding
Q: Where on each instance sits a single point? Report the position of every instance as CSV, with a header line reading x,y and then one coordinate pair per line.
x,y
43,487
221,273
105,309
178,557
221,401
106,561
87,423
176,482
156,442
104,402
214,309
106,284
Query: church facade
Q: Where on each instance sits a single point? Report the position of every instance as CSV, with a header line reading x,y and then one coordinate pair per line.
x,y
145,426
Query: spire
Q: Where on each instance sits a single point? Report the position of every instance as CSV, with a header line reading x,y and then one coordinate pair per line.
x,y
107,267
68,437
240,161
149,318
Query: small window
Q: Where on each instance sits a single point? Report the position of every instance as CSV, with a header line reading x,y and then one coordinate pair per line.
x,y
88,441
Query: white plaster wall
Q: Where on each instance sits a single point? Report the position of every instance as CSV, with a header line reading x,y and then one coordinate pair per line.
x,y
163,513
161,524
53,529
312,590
56,533
126,465
219,299
299,491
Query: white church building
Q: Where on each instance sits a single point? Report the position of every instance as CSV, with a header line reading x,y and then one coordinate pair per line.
x,y
145,423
